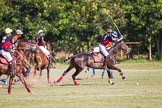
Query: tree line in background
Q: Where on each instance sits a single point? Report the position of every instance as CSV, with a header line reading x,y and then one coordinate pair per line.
x,y
77,25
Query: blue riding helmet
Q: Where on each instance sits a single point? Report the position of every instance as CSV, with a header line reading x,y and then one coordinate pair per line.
x,y
114,34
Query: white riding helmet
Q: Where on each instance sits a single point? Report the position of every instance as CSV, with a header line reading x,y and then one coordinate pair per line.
x,y
40,31
8,31
18,31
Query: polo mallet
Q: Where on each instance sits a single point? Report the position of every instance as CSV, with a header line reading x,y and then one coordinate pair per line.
x,y
115,25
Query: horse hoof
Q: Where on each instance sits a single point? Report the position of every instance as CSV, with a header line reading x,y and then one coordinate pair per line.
x,y
76,84
30,92
123,78
5,83
56,83
112,83
92,76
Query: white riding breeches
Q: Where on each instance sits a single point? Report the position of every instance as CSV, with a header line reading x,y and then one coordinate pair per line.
x,y
103,50
6,55
44,50
96,49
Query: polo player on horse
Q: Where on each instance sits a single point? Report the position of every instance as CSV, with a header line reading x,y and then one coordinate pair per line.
x,y
5,49
41,43
107,41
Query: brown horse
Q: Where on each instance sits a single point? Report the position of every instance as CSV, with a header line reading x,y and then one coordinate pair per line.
x,y
19,66
41,60
79,61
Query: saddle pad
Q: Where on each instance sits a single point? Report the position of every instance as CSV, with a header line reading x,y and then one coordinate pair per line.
x,y
3,60
97,50
98,58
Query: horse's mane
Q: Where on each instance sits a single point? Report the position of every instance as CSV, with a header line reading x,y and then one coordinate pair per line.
x,y
115,45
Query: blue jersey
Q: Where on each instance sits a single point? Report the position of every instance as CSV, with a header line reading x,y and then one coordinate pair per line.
x,y
40,40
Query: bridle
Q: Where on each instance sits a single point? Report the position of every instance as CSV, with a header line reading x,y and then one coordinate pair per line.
x,y
122,45
23,49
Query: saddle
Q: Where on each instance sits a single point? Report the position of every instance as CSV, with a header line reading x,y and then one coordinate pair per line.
x,y
98,57
3,60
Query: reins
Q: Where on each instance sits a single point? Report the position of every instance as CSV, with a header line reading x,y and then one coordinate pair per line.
x,y
113,47
22,58
23,51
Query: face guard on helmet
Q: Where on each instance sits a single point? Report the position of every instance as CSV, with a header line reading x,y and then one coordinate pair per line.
x,y
114,34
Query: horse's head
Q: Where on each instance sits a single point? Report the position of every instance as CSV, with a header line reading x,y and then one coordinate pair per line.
x,y
124,47
32,41
21,47
26,46
48,46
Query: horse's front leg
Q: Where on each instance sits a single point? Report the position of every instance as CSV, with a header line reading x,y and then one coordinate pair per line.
x,y
35,70
40,74
10,84
119,70
110,76
48,76
27,72
20,76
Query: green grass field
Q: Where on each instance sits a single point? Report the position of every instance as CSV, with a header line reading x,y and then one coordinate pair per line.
x,y
142,89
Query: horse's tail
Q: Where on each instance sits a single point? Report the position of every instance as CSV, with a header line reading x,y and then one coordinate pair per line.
x,y
69,58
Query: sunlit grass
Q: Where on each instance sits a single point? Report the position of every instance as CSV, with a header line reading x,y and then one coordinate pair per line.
x,y
142,89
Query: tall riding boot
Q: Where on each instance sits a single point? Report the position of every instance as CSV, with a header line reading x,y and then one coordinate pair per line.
x,y
106,62
10,69
50,61
51,65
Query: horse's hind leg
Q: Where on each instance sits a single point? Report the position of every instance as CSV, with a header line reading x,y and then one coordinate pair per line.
x,y
74,76
110,75
65,72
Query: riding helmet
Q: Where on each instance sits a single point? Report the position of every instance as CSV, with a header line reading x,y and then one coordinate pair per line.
x,y
114,34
